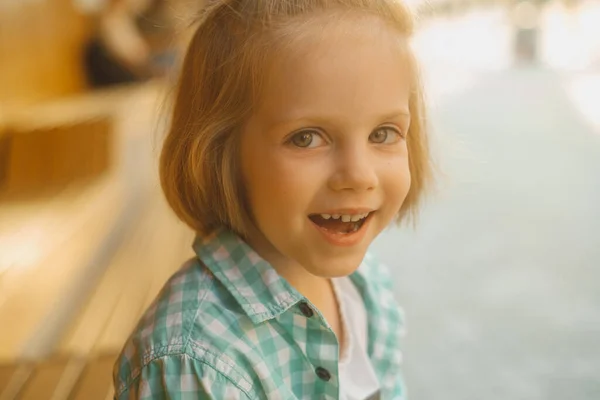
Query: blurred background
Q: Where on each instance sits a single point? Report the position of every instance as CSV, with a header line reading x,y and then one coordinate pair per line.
x,y
499,279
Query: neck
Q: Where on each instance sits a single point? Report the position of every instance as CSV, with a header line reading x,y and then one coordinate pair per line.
x,y
315,288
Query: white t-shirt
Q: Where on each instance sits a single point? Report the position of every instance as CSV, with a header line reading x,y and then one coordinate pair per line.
x,y
358,380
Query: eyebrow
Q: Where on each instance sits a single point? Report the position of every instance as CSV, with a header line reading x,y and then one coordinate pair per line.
x,y
395,114
322,120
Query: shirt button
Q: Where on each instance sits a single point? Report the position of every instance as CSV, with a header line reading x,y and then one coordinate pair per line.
x,y
306,310
323,374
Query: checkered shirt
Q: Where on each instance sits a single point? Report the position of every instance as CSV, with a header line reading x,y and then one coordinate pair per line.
x,y
229,327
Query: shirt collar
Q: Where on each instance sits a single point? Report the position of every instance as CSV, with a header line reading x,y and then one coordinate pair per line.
x,y
261,292
258,288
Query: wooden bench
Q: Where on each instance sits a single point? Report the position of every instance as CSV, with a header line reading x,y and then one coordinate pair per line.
x,y
49,145
48,255
60,206
81,365
66,348
58,379
50,264
68,200
47,157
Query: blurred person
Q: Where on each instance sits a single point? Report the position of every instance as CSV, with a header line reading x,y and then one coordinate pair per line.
x,y
526,15
130,41
297,136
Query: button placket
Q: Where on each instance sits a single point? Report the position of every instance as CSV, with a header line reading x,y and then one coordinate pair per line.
x,y
323,367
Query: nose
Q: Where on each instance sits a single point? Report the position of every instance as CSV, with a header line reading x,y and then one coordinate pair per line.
x,y
354,169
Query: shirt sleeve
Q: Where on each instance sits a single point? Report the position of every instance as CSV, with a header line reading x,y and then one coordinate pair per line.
x,y
397,390
180,378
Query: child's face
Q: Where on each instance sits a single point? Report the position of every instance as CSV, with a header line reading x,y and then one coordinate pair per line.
x,y
327,140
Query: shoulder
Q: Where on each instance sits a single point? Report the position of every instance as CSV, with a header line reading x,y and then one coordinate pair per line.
x,y
375,280
376,271
180,376
184,334
377,283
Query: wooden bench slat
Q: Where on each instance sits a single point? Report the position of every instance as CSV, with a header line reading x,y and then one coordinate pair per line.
x,y
6,374
13,380
96,380
93,318
56,154
44,381
23,244
58,276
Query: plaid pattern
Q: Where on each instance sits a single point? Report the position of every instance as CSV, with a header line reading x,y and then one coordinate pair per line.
x,y
230,327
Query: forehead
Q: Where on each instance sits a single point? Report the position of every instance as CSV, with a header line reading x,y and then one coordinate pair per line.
x,y
348,66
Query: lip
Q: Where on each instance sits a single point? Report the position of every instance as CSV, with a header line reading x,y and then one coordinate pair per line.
x,y
345,239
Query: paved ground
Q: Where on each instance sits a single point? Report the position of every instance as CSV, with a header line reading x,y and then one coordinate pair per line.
x,y
500,280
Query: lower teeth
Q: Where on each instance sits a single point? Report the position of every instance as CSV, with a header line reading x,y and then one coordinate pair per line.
x,y
353,228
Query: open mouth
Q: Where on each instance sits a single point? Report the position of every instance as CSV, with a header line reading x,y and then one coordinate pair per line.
x,y
338,223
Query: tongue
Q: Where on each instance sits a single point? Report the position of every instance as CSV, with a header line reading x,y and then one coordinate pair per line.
x,y
335,225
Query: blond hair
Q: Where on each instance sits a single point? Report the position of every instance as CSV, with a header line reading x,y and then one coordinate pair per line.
x,y
220,81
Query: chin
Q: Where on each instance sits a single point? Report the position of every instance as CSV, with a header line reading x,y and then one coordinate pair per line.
x,y
335,267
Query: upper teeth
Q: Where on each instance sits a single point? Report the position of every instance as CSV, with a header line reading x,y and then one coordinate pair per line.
x,y
346,217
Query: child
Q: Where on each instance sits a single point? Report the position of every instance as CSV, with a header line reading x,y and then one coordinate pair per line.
x,y
297,136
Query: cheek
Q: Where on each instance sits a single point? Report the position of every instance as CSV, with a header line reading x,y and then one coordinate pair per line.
x,y
277,183
397,179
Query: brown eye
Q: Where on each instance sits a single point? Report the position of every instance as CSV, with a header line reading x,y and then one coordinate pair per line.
x,y
385,135
303,139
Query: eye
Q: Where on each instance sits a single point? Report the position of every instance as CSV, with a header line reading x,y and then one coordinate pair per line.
x,y
385,135
306,139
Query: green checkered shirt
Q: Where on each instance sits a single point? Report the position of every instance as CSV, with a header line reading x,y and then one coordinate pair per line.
x,y
230,327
